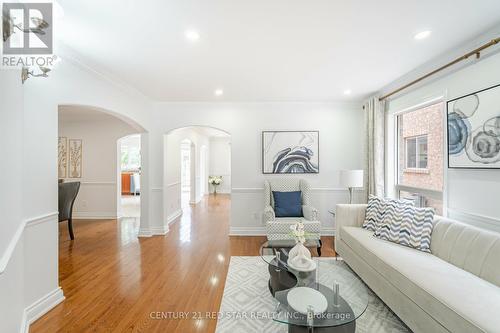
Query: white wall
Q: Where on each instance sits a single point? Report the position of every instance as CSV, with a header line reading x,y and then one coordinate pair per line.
x,y
220,162
29,284
470,195
172,172
99,134
341,147
11,227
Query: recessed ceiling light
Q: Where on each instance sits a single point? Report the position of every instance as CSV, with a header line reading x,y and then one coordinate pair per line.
x,y
192,35
422,35
219,92
347,92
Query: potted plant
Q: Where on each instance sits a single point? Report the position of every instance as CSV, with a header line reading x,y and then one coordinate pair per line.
x,y
215,181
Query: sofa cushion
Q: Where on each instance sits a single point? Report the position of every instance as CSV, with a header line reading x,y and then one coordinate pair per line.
x,y
457,299
288,204
407,225
472,249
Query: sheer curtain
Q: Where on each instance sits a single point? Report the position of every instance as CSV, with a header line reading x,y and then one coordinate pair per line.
x,y
375,147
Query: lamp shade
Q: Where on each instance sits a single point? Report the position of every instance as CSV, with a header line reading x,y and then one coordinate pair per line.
x,y
351,178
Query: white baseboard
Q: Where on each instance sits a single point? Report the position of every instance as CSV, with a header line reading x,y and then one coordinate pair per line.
x,y
95,215
327,232
247,231
197,201
159,231
41,307
144,233
172,217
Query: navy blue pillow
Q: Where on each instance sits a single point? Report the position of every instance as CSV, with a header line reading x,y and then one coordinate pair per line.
x,y
287,204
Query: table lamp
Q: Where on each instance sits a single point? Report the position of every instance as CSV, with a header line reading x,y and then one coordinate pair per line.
x,y
351,179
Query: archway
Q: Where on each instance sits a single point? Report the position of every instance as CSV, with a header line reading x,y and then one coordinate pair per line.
x,y
198,140
128,176
92,135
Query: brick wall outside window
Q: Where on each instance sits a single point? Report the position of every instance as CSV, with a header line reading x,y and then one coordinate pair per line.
x,y
426,121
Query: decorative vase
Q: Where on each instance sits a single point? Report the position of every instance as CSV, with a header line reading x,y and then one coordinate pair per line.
x,y
299,249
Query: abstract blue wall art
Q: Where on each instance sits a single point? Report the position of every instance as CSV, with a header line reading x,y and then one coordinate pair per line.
x,y
290,152
474,130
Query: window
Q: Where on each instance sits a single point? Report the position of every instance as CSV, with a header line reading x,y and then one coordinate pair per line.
x,y
130,158
419,156
416,152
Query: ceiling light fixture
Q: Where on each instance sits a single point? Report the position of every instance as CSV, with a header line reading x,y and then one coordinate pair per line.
x,y
347,92
219,92
422,35
192,35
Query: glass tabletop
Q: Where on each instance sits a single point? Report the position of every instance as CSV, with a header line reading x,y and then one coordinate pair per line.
x,y
272,250
349,304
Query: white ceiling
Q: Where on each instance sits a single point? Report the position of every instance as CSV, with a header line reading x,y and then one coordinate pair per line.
x,y
266,50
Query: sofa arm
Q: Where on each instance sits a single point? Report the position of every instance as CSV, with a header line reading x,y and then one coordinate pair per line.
x,y
348,215
269,214
310,213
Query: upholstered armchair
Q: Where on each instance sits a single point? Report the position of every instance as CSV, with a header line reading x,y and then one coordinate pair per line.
x,y
278,228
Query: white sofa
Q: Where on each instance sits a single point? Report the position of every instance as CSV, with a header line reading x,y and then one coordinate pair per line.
x,y
454,289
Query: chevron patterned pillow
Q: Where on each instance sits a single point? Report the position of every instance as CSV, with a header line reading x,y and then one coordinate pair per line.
x,y
407,225
378,209
374,213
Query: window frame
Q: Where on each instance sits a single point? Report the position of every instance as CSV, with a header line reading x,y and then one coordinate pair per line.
x,y
398,188
417,152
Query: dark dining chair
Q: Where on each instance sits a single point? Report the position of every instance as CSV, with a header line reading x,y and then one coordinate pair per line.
x,y
67,195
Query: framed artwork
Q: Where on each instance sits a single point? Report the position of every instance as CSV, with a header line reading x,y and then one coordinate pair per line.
x,y
474,130
75,158
286,152
62,157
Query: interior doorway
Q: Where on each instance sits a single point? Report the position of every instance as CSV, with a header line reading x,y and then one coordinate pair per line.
x,y
204,170
187,173
129,176
192,156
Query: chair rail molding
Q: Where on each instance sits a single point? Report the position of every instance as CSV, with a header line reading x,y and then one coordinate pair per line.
x,y
313,189
90,183
4,260
173,184
480,221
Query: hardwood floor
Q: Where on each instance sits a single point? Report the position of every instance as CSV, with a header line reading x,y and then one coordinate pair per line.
x,y
116,282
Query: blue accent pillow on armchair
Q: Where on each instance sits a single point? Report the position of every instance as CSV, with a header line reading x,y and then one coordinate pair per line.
x,y
288,204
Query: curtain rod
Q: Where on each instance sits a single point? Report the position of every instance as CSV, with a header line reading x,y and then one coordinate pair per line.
x,y
476,52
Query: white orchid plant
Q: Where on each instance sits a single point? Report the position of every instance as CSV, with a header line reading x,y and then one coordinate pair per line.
x,y
298,232
215,180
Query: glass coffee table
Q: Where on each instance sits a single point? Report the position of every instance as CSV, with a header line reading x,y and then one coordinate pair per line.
x,y
345,294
